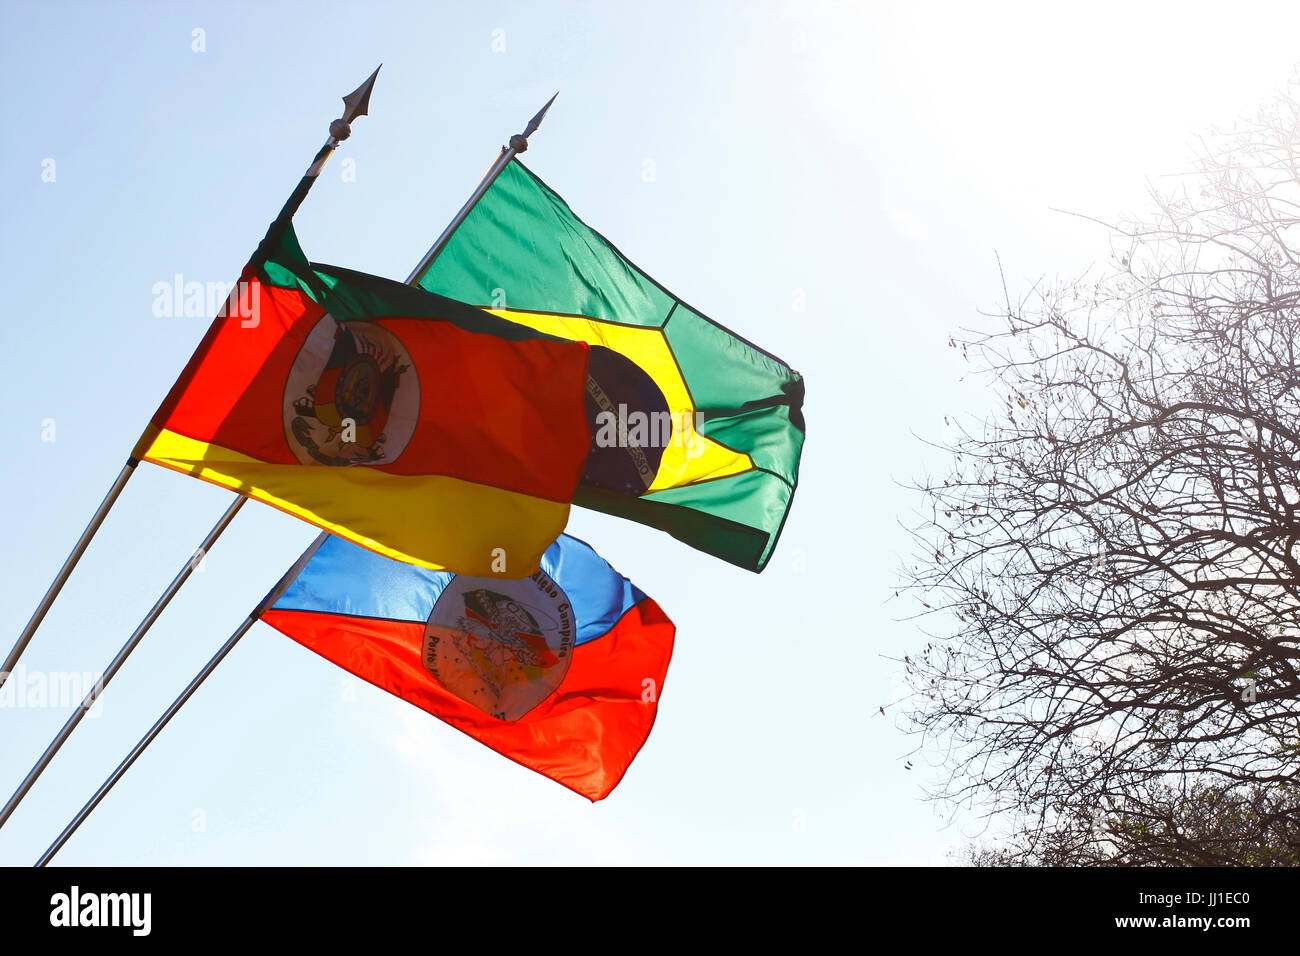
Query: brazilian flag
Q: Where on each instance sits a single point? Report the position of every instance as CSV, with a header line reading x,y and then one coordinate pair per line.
x,y
695,431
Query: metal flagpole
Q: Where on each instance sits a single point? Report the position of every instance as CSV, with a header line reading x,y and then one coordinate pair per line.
x,y
64,572
356,104
116,664
518,143
271,597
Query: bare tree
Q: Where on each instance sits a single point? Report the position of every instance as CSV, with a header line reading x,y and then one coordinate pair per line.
x,y
1110,572
1163,826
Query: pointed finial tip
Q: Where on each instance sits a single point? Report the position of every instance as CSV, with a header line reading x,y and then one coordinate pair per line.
x,y
357,103
542,112
519,142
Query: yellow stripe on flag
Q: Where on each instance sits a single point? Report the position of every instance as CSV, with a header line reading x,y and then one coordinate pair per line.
x,y
459,521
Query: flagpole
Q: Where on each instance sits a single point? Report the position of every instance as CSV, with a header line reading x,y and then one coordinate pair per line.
x,y
116,664
65,572
518,143
271,597
356,104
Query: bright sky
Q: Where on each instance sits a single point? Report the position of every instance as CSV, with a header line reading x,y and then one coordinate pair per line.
x,y
866,160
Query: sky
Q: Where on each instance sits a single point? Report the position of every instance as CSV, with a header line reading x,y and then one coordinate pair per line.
x,y
835,182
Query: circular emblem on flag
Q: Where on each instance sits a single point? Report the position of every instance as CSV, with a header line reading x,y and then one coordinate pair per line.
x,y
352,396
502,645
630,424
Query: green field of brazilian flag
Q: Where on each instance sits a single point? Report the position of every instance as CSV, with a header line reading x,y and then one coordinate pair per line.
x,y
702,429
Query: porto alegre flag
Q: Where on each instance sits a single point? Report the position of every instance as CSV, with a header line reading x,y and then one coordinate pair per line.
x,y
561,671
419,427
695,431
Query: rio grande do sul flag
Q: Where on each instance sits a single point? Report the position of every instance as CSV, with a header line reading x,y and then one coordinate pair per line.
x,y
419,427
561,671
707,428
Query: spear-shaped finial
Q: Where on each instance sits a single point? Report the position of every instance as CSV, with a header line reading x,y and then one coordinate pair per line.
x,y
356,103
519,142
